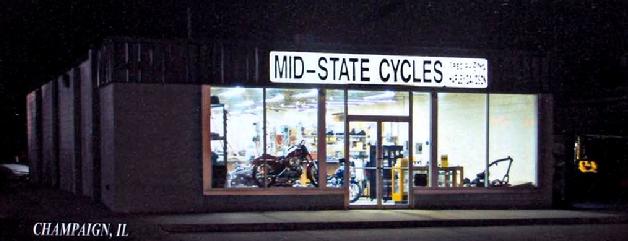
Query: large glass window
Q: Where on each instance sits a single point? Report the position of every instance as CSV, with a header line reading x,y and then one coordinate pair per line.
x,y
461,139
239,158
421,129
291,131
235,133
290,157
335,129
513,140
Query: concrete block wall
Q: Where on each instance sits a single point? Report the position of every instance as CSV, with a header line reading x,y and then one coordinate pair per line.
x,y
107,152
86,138
151,147
49,132
66,144
33,132
59,125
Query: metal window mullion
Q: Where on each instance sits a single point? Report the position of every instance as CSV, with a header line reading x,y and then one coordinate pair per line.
x,y
322,139
434,139
486,140
410,153
379,158
264,135
346,174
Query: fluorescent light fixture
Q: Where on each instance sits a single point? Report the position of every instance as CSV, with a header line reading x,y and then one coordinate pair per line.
x,y
276,98
309,94
233,92
385,95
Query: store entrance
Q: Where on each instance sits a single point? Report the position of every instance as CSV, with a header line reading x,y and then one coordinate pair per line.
x,y
378,163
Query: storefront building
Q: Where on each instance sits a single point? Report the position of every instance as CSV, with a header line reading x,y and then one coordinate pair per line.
x,y
178,126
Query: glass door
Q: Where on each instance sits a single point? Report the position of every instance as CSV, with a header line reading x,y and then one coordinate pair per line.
x,y
378,164
394,163
363,163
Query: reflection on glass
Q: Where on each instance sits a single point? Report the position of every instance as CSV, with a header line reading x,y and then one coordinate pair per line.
x,y
461,138
513,133
236,130
291,125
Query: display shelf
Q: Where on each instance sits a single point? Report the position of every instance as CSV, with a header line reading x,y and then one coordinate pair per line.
x,y
218,114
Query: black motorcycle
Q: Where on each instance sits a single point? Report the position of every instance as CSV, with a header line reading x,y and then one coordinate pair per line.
x,y
285,170
337,180
480,178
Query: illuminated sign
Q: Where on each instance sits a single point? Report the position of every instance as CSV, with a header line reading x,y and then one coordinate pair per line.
x,y
587,166
363,69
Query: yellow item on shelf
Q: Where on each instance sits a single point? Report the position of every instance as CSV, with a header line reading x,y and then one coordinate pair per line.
x,y
399,180
444,161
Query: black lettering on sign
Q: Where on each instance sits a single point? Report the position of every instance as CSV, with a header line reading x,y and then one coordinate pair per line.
x,y
280,69
298,75
414,79
426,70
323,68
403,77
384,79
353,60
439,77
343,69
364,69
395,68
334,60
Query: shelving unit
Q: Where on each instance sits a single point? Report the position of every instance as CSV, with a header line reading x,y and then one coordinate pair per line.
x,y
218,136
338,145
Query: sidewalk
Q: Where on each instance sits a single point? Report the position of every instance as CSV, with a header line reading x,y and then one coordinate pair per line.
x,y
357,219
27,205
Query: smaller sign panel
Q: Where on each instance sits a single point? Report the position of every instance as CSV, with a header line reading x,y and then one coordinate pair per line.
x,y
364,69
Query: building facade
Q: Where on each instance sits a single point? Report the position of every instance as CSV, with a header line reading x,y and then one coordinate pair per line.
x,y
193,126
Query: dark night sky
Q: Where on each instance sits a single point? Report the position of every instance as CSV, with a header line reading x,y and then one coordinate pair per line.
x,y
43,38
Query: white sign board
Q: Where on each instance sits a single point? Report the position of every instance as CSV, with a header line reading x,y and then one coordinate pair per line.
x,y
366,69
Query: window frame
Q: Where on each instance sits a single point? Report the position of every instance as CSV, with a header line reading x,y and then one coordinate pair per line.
x,y
321,148
206,147
433,174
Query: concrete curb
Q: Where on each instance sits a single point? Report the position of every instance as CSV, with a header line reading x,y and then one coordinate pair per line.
x,y
292,226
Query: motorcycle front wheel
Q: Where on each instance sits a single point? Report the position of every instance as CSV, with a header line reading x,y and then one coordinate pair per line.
x,y
261,174
355,191
312,174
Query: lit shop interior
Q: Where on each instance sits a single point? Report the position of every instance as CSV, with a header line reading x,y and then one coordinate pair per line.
x,y
267,138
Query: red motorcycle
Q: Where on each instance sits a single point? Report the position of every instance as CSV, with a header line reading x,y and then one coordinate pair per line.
x,y
269,170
